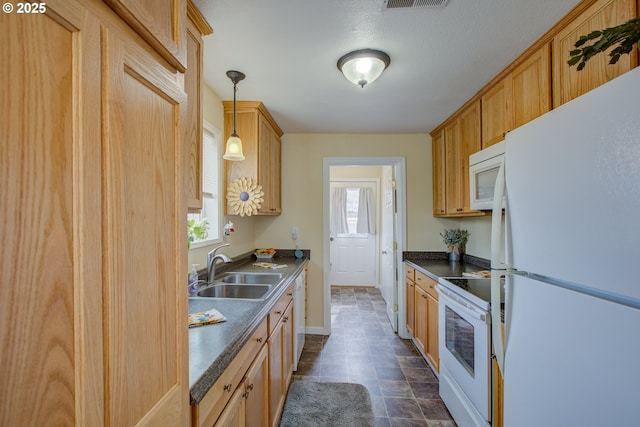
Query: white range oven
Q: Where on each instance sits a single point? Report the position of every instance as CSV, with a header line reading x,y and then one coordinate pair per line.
x,y
464,335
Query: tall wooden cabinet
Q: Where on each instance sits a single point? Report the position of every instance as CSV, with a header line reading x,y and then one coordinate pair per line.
x,y
197,27
261,145
92,242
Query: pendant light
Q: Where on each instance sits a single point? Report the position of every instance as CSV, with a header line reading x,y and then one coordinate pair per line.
x,y
363,66
233,151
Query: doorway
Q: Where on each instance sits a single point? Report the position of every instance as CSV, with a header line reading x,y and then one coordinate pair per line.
x,y
390,231
354,230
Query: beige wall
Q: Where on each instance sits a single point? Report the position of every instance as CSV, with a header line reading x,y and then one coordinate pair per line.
x,y
302,183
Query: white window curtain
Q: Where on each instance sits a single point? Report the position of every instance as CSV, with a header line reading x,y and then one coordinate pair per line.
x,y
366,212
339,211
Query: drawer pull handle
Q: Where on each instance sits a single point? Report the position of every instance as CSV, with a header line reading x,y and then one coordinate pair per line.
x,y
278,312
259,339
250,386
245,395
227,387
290,294
285,318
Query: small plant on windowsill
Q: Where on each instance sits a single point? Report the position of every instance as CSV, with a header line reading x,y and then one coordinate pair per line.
x,y
455,239
196,230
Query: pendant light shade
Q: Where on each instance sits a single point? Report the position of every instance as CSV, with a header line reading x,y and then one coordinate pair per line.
x,y
233,150
363,66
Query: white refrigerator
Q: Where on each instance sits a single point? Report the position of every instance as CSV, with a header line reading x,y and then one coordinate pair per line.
x,y
572,253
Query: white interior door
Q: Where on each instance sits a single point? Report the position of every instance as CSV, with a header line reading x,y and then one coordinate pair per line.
x,y
388,245
352,253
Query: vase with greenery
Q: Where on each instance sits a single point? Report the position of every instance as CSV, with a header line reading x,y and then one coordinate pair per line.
x,y
196,230
455,239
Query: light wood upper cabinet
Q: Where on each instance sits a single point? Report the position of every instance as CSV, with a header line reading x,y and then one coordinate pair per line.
x,y
439,176
521,96
161,24
461,139
261,145
529,88
197,27
496,119
568,83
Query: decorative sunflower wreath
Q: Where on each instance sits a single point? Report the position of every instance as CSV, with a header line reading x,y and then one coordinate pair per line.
x,y
245,196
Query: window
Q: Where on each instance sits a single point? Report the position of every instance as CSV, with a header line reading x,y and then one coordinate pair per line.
x,y
353,209
211,187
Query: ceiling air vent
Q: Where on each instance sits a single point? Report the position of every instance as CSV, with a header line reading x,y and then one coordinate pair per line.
x,y
413,4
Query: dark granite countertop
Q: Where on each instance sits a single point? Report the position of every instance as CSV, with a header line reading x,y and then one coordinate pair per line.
x,y
436,264
213,347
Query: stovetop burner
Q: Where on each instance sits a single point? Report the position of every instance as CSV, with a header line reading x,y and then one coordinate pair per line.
x,y
476,290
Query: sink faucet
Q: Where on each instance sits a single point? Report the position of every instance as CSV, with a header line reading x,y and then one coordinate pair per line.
x,y
211,261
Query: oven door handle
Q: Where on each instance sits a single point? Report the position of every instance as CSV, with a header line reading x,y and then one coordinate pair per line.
x,y
462,305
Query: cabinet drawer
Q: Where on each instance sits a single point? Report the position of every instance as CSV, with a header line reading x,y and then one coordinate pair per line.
x,y
427,284
213,403
278,310
409,272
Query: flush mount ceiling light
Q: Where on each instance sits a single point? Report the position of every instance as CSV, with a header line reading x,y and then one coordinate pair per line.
x,y
233,151
363,66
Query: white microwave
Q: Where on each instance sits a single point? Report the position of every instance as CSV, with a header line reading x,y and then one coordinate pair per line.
x,y
483,170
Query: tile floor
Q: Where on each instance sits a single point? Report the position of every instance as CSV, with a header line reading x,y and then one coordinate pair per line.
x,y
363,348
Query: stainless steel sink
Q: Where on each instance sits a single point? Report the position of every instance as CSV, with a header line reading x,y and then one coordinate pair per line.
x,y
236,291
250,278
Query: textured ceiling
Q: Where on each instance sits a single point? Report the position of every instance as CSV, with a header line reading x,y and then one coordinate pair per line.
x,y
440,57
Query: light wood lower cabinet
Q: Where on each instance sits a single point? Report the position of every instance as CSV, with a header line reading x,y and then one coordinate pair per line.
x,y
280,363
256,386
498,392
410,298
249,404
251,392
425,332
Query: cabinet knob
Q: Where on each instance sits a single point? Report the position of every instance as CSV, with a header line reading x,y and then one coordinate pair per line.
x,y
459,210
250,386
278,312
227,387
259,339
245,395
285,318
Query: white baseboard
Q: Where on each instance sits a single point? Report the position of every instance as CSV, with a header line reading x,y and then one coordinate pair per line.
x,y
316,330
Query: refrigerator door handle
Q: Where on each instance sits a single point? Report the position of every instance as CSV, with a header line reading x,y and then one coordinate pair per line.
x,y
496,219
496,239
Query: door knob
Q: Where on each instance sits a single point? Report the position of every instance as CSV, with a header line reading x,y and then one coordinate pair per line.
x,y
331,239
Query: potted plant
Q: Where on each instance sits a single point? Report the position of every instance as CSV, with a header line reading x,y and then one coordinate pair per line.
x,y
455,239
196,230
